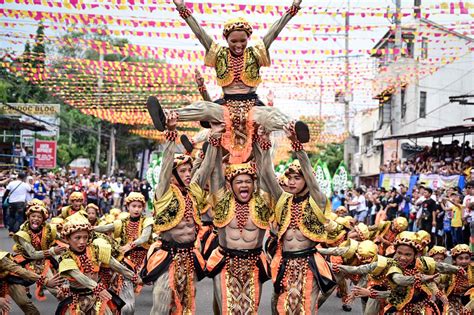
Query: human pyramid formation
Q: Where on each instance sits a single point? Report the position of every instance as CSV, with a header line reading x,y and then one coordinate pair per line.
x,y
232,221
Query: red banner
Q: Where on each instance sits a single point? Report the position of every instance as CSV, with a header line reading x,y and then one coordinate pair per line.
x,y
45,154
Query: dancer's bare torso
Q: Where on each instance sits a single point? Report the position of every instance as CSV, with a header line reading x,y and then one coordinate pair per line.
x,y
294,240
238,88
184,232
251,236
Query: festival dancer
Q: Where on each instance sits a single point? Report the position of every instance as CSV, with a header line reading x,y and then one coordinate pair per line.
x,y
386,233
81,265
93,214
410,279
76,204
459,287
238,266
238,73
10,274
36,245
135,235
173,263
299,272
438,253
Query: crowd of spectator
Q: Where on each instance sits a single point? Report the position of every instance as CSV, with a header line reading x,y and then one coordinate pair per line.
x,y
54,190
446,213
442,159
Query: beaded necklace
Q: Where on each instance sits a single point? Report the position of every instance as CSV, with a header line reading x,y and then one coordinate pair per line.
x,y
237,64
242,213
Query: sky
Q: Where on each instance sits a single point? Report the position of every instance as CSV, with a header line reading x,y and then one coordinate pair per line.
x,y
358,40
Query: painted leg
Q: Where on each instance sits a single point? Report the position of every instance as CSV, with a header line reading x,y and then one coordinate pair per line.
x,y
128,295
18,294
162,296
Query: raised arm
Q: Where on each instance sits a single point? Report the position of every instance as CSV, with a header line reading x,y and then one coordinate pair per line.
x,y
105,228
31,252
121,269
265,165
446,268
168,156
276,28
314,190
203,174
201,86
358,270
8,264
200,33
144,237
333,251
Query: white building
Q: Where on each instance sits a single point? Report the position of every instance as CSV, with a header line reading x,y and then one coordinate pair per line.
x,y
436,64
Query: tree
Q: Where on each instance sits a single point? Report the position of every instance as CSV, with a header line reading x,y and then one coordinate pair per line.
x,y
332,154
39,49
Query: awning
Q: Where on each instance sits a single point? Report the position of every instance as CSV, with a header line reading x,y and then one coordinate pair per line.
x,y
446,131
7,123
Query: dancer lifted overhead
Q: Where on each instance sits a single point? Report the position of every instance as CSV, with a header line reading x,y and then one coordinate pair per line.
x,y
238,73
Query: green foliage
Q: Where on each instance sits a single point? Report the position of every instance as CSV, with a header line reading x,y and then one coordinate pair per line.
x,y
38,49
332,154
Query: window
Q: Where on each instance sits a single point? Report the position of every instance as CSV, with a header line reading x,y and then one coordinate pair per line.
x,y
422,104
424,48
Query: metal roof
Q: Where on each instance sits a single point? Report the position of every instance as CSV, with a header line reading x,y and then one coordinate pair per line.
x,y
452,130
9,123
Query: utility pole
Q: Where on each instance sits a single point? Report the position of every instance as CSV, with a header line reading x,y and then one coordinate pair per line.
x,y
320,97
397,54
100,83
346,81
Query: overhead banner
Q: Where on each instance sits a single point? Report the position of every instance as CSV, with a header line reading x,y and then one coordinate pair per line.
x,y
45,154
393,180
435,181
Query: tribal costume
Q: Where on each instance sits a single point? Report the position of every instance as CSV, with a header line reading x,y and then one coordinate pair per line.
x,y
10,274
68,210
35,248
136,233
386,233
239,273
459,287
171,264
409,294
82,270
239,76
298,275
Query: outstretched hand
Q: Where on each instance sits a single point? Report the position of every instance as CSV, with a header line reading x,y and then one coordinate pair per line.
x,y
198,78
171,119
290,131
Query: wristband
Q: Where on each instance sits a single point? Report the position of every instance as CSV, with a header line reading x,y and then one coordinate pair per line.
x,y
171,135
293,10
184,13
296,146
98,288
215,142
134,278
41,281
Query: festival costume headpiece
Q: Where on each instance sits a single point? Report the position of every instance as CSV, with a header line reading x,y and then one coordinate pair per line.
x,y
35,202
135,196
294,167
400,224
38,209
181,159
75,224
76,196
425,237
363,231
409,239
438,250
237,24
93,206
234,170
367,249
460,249
341,210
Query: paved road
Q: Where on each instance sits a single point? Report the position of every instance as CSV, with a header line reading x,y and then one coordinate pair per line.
x,y
203,296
